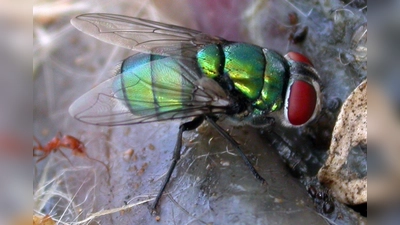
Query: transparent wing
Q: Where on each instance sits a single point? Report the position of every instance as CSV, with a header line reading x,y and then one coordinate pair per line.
x,y
190,95
140,34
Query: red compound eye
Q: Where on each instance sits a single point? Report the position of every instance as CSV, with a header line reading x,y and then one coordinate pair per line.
x,y
297,57
301,102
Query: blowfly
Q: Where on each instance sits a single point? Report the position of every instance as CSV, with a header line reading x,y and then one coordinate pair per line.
x,y
183,73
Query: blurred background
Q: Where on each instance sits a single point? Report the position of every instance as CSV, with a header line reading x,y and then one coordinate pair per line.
x,y
124,166
383,117
15,112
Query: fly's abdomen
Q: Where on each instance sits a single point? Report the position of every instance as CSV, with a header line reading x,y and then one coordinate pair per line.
x,y
152,84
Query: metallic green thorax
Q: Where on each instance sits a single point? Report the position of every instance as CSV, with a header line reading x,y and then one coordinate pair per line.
x,y
257,73
275,78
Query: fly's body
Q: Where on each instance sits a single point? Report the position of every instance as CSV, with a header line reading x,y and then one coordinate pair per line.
x,y
242,83
182,73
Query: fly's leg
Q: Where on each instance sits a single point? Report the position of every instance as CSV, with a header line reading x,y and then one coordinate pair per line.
x,y
175,158
223,133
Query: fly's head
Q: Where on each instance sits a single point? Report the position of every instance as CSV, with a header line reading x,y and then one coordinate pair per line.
x,y
302,102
